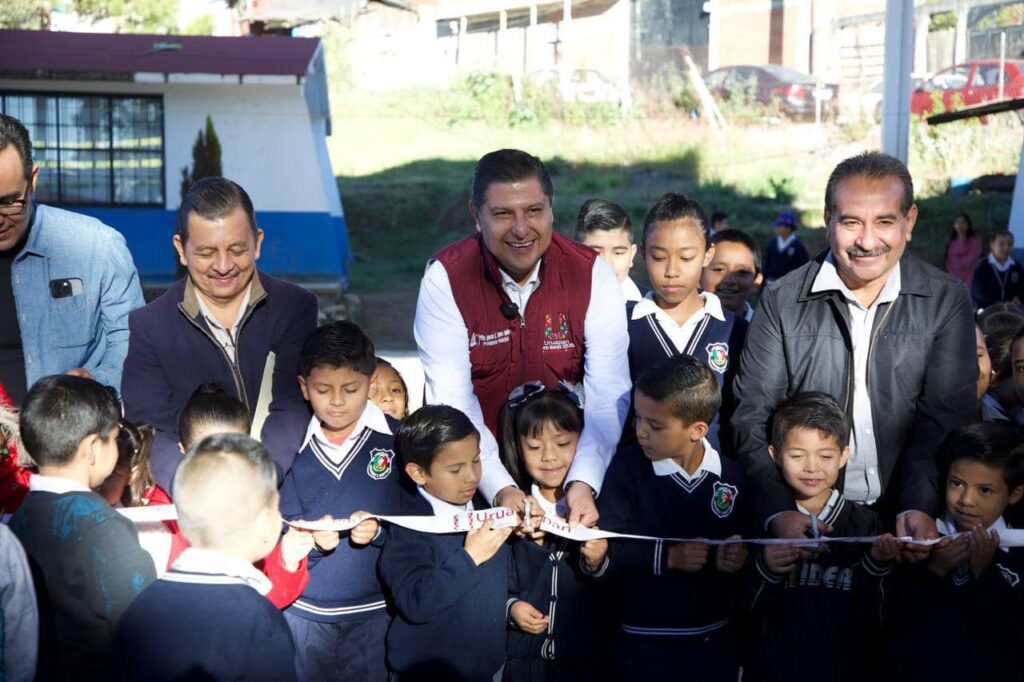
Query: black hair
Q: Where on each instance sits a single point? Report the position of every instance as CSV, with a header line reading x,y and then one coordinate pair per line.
x,y
1001,232
508,165
601,214
134,448
527,420
210,404
672,206
811,410
995,443
872,165
212,199
718,216
686,385
60,411
338,344
430,428
734,236
1000,315
238,444
381,362
14,132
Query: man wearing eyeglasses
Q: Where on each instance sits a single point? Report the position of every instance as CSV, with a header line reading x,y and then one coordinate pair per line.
x,y
67,282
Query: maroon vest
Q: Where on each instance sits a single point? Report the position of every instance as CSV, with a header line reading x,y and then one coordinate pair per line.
x,y
546,344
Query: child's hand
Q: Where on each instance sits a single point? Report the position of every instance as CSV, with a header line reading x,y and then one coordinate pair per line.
x,y
687,556
295,545
366,531
530,527
594,552
780,559
885,548
326,540
730,558
983,548
948,554
484,542
527,618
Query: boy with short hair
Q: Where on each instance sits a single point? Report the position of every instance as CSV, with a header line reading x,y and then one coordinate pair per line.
x,y
207,618
86,561
605,227
719,222
449,591
734,272
969,594
816,611
674,596
999,277
347,463
785,253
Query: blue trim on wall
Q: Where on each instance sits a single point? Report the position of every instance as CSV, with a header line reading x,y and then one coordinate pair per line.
x,y
295,244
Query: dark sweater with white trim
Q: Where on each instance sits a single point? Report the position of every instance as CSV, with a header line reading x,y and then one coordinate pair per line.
x,y
449,621
189,626
343,583
655,600
821,618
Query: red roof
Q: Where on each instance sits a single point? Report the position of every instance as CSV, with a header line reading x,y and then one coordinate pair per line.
x,y
119,53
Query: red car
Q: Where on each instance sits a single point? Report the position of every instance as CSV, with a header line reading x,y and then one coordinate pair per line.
x,y
968,84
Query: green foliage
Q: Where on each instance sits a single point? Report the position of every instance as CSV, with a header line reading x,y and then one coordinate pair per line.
x,y
205,158
782,188
132,16
1008,15
480,97
685,98
22,14
941,21
200,26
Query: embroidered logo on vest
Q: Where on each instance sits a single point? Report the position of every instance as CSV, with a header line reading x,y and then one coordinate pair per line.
x,y
495,339
556,332
380,464
718,356
723,498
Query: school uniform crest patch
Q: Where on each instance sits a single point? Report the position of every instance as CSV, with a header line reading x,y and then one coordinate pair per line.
x,y
380,464
718,356
723,499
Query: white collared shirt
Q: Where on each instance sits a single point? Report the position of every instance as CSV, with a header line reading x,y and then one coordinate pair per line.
x,y
630,291
825,510
679,334
371,418
863,483
520,293
55,484
442,508
748,312
1001,267
782,244
216,565
443,343
947,526
710,463
227,338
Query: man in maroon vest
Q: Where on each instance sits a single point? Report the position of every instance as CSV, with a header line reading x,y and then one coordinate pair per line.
x,y
517,302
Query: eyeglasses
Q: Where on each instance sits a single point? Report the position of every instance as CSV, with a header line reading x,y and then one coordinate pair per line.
x,y
16,207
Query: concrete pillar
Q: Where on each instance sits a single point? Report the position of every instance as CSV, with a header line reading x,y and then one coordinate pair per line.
x,y
899,45
531,40
501,47
1017,207
920,43
960,38
714,34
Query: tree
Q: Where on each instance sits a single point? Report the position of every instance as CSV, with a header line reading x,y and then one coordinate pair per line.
x,y
132,16
205,158
23,14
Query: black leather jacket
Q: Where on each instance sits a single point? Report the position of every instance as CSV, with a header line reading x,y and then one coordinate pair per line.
x,y
922,376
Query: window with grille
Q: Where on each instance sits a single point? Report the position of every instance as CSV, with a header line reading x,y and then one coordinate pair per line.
x,y
94,150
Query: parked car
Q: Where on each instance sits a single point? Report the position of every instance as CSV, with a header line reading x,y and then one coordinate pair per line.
x,y
794,92
582,85
969,83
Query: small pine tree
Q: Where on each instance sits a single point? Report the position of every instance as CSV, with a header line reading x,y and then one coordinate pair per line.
x,y
205,164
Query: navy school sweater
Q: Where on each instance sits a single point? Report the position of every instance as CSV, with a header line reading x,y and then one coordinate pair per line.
x,y
958,627
653,599
343,583
449,621
190,626
824,615
989,286
779,264
87,567
716,343
554,579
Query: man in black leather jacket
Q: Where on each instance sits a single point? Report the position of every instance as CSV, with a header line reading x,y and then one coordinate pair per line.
x,y
887,335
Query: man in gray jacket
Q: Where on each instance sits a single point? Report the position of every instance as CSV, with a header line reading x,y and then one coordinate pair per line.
x,y
887,335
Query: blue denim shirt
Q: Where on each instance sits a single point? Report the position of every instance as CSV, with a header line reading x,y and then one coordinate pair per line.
x,y
90,328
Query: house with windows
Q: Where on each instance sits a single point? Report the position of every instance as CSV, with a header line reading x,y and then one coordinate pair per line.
x,y
113,120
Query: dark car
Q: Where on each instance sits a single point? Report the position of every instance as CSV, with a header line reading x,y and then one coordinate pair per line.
x,y
794,92
967,84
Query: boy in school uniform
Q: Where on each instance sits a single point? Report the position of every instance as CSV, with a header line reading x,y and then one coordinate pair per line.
x,y
816,610
674,597
676,317
734,272
605,227
785,253
998,278
449,591
347,464
85,557
967,599
207,618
